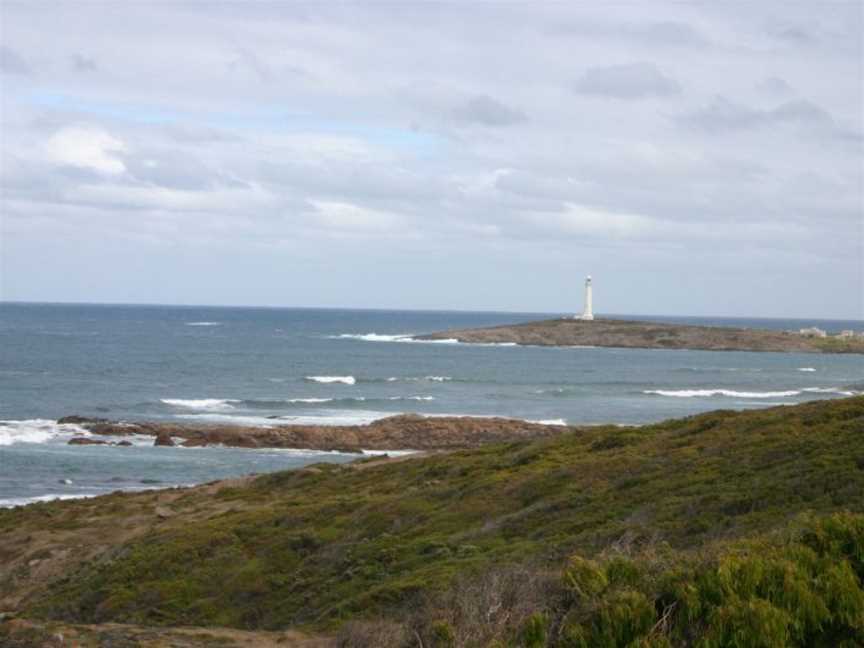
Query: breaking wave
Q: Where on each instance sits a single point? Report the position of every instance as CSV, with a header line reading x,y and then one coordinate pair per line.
x,y
345,380
212,404
409,338
37,431
203,323
707,393
334,417
806,369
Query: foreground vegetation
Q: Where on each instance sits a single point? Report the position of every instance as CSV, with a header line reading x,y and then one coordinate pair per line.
x,y
724,529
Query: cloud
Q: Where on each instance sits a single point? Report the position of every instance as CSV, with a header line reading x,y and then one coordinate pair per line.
x,y
774,86
583,220
87,148
722,115
630,81
83,63
12,63
486,111
667,33
293,147
346,216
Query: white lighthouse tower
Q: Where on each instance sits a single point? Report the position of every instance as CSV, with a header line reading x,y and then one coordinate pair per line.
x,y
588,313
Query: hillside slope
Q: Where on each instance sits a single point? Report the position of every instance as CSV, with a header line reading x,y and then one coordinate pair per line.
x,y
314,547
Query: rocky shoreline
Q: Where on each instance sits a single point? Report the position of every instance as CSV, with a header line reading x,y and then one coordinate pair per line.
x,y
401,432
649,335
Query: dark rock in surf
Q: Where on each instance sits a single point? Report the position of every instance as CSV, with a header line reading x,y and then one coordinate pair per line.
x,y
85,441
164,439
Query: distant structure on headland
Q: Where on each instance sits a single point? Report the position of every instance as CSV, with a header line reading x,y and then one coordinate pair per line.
x,y
813,331
588,313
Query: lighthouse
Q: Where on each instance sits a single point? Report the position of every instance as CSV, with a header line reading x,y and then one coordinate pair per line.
x,y
588,313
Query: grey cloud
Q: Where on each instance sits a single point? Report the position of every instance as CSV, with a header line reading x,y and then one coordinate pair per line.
x,y
630,81
775,86
722,115
249,60
486,111
794,35
670,33
83,63
12,63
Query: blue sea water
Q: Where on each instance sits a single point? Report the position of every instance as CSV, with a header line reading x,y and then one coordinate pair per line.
x,y
247,365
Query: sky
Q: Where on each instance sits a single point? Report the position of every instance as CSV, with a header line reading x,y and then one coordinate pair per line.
x,y
694,158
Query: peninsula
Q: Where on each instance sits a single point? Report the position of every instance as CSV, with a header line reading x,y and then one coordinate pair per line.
x,y
650,335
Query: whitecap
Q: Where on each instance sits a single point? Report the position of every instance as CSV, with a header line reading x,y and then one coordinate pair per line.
x,y
211,404
203,323
346,380
326,417
829,390
808,369
705,393
411,398
9,502
404,337
37,431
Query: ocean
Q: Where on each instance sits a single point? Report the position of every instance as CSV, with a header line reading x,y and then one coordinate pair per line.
x,y
331,366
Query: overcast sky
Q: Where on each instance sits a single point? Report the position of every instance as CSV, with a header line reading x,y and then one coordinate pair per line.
x,y
700,159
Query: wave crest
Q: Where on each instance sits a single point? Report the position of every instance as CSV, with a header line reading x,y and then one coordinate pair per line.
x,y
345,380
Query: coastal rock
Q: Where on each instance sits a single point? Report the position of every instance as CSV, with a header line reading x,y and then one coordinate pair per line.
x,y
401,432
164,439
85,441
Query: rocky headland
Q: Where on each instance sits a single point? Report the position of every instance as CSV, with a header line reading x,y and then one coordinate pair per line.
x,y
649,335
401,432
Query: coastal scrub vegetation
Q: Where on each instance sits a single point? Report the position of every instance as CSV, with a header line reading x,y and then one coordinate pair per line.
x,y
723,529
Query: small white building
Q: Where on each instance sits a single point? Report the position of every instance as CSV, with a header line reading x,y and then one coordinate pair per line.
x,y
813,331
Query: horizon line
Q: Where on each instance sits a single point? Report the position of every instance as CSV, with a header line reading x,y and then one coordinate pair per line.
x,y
413,310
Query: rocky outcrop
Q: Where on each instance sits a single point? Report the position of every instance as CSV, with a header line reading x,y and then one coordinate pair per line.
x,y
163,438
91,441
407,431
648,335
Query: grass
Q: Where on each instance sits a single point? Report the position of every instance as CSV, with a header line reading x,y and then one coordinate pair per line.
x,y
316,548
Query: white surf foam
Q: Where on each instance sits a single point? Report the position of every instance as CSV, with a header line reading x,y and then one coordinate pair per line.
x,y
706,393
327,417
51,497
37,431
373,337
830,390
211,404
808,369
310,400
346,380
424,378
404,337
203,323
